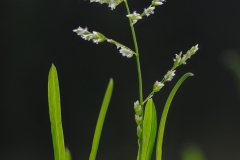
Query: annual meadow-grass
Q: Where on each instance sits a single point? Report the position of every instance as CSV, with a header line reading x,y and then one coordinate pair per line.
x,y
148,132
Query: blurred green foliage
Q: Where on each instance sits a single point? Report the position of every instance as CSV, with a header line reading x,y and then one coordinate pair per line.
x,y
192,152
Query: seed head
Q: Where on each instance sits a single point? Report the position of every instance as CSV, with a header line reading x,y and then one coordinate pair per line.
x,y
149,11
126,52
157,86
157,2
137,108
139,130
134,17
138,119
169,76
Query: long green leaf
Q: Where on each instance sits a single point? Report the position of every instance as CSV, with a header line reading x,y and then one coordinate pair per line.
x,y
67,154
100,121
164,115
149,130
55,114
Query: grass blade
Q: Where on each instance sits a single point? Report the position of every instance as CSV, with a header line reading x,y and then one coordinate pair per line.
x,y
100,121
164,115
67,154
55,114
149,130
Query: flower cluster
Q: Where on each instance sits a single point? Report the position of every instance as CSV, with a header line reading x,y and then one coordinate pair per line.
x,y
111,3
158,2
157,86
138,117
150,9
169,76
123,49
126,52
179,60
147,11
134,17
94,36
182,59
97,37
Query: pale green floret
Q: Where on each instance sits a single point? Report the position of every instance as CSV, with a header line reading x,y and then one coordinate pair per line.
x,y
111,3
138,119
157,2
80,31
137,108
182,59
87,36
169,76
114,3
157,86
96,37
139,130
149,11
134,17
126,52
178,59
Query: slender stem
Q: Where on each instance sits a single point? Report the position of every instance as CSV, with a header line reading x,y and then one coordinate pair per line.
x,y
148,97
139,72
137,55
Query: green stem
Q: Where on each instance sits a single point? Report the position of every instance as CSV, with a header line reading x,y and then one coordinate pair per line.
x,y
137,55
138,69
148,97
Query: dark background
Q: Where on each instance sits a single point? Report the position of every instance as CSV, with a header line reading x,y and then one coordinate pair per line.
x,y
36,33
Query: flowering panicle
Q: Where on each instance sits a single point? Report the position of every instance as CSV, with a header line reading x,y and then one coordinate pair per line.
x,y
180,59
96,37
111,3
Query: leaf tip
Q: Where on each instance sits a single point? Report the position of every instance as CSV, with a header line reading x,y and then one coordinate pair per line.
x,y
191,74
111,81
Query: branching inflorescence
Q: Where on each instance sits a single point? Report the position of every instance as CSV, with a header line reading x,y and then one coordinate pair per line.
x,y
180,58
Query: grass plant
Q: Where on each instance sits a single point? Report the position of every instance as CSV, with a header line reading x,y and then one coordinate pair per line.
x,y
145,110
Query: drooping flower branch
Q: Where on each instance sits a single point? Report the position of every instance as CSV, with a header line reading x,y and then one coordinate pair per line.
x,y
97,37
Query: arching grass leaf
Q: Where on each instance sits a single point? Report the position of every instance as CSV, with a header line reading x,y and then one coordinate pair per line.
x,y
100,121
164,115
